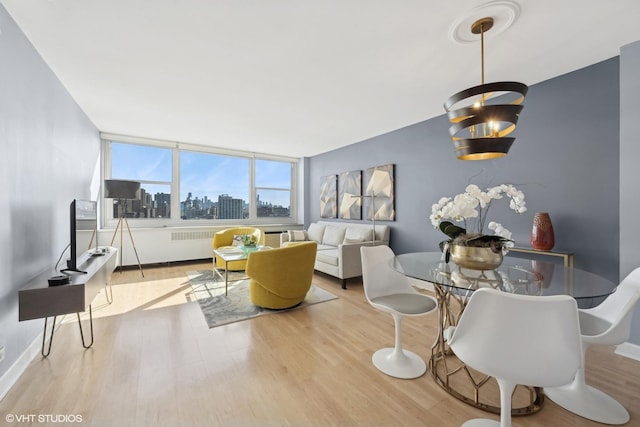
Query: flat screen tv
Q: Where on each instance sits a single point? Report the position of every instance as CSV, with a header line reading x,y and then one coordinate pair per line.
x,y
83,225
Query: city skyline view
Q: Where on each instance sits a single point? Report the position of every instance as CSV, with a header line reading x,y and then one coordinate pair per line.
x,y
203,177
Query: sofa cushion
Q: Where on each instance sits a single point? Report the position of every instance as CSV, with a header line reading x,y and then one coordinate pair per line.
x,y
322,247
353,240
328,256
315,232
358,235
297,235
333,235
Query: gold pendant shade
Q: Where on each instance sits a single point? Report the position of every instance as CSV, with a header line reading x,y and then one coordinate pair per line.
x,y
482,117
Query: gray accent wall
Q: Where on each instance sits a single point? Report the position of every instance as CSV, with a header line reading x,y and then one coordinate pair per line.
x,y
566,159
629,170
48,154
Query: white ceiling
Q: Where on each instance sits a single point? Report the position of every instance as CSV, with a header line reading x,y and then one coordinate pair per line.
x,y
299,77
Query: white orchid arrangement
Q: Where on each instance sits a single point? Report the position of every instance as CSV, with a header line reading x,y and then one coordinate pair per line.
x,y
475,203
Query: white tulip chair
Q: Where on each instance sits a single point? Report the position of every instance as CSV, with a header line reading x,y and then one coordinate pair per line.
x,y
608,324
517,339
389,290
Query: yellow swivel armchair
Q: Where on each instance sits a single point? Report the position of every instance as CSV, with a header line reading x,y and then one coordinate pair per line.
x,y
280,278
224,238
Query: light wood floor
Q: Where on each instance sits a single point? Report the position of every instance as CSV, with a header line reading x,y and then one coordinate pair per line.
x,y
156,363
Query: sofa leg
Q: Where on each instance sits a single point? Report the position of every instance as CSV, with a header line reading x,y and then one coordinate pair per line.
x,y
344,283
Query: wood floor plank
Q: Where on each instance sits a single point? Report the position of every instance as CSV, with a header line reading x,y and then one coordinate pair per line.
x,y
156,363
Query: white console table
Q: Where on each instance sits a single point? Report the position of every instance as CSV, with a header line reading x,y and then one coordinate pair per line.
x,y
38,300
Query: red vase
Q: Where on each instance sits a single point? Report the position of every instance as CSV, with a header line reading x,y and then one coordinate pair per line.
x,y
542,237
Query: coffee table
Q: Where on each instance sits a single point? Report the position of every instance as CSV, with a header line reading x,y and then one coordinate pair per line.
x,y
228,255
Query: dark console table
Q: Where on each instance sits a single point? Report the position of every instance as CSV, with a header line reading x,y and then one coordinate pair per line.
x,y
38,300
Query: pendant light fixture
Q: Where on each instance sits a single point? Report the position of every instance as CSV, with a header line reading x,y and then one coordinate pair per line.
x,y
483,116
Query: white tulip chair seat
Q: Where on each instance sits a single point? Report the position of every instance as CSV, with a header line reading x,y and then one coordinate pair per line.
x,y
389,290
517,339
608,324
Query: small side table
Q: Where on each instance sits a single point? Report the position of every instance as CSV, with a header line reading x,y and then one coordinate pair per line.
x,y
227,255
566,256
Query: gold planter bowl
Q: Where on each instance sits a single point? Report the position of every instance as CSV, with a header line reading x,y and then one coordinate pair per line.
x,y
475,258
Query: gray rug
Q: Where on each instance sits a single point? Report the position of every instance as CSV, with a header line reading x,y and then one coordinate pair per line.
x,y
219,309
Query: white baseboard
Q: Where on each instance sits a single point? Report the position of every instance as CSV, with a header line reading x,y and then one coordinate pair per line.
x,y
627,349
20,365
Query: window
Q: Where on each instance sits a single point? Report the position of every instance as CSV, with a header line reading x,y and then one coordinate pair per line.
x,y
213,186
152,167
273,188
185,184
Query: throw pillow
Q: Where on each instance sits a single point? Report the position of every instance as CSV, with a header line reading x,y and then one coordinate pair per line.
x,y
355,240
333,236
358,234
315,232
297,235
237,240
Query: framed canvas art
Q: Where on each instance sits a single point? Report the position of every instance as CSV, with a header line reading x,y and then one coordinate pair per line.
x,y
349,195
379,194
329,196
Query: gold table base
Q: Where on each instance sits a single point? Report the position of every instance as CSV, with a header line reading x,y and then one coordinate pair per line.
x,y
463,382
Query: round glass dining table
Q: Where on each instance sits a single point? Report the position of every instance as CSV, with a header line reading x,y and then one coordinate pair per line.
x,y
453,287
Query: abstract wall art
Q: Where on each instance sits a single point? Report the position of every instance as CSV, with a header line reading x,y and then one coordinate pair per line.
x,y
379,183
349,195
329,196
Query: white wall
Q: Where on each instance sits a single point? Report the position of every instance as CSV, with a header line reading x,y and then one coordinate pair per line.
x,y
160,245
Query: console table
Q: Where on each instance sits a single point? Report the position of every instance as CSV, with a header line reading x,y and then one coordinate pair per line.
x,y
567,257
38,300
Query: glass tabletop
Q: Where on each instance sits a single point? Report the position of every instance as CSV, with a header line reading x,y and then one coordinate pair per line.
x,y
517,275
237,253
230,254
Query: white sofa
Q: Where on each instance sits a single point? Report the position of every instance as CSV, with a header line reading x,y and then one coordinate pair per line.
x,y
339,245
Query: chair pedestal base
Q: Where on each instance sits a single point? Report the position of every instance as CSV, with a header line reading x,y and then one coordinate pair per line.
x,y
399,363
589,403
481,422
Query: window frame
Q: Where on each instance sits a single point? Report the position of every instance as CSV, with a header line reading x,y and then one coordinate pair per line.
x,y
256,188
175,220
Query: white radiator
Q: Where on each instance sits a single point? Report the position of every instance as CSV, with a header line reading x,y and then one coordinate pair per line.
x,y
192,235
160,245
